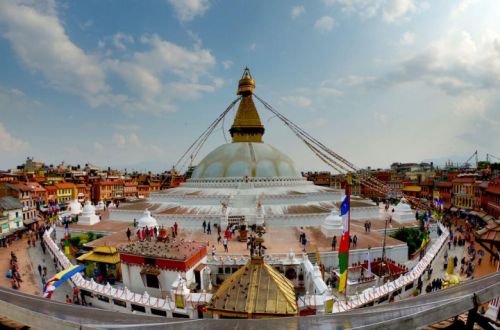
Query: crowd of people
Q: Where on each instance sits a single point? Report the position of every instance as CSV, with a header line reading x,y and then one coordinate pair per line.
x,y
13,272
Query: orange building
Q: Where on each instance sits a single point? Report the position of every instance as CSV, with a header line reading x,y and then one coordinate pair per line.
x,y
108,190
142,190
463,193
130,189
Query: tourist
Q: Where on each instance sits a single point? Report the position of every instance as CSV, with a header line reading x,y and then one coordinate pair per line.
x,y
428,288
40,270
334,243
455,262
44,281
480,253
350,240
301,234
429,272
204,226
219,230
209,228
135,223
304,243
224,242
355,240
129,233
366,226
219,238
369,226
176,226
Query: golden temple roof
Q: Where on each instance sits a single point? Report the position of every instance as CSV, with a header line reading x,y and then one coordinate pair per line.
x,y
247,126
103,254
255,290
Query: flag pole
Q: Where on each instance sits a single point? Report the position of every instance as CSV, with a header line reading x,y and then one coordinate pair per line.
x,y
348,194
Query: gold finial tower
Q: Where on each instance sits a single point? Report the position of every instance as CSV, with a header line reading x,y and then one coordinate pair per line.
x,y
247,126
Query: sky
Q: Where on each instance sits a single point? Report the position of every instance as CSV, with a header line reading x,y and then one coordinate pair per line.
x,y
132,83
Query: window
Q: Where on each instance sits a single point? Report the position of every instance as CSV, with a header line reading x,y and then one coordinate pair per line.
x,y
158,312
152,281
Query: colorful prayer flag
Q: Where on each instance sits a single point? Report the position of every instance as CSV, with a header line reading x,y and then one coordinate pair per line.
x,y
344,245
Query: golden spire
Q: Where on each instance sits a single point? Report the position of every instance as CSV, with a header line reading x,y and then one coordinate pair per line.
x,y
246,126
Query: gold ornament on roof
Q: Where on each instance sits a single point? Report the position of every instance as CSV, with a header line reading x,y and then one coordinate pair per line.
x,y
247,126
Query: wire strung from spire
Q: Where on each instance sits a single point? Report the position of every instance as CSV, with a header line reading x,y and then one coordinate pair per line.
x,y
191,153
334,160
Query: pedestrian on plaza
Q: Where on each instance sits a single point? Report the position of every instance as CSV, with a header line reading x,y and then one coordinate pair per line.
x,y
129,233
219,238
204,226
350,241
213,251
176,227
428,288
334,243
40,270
455,262
45,270
355,240
209,228
44,281
224,242
219,230
304,243
301,234
42,244
429,272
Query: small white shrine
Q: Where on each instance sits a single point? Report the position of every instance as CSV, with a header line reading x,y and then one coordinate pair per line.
x,y
74,207
88,216
147,220
403,212
332,226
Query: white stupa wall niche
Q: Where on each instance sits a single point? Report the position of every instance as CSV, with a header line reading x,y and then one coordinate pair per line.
x,y
88,216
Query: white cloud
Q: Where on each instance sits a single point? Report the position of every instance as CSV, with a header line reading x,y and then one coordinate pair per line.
x,y
469,105
324,24
298,101
252,46
120,40
408,38
187,10
39,39
297,11
227,64
462,6
119,140
86,25
9,143
389,10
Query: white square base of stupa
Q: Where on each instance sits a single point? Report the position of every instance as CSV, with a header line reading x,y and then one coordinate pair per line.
x,y
331,230
405,217
88,220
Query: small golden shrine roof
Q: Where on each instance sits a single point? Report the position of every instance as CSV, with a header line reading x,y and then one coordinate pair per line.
x,y
255,290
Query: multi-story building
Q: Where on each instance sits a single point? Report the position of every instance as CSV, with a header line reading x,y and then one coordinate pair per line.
x,y
142,190
444,193
108,190
463,194
66,191
427,188
24,195
493,198
39,193
130,189
82,192
10,217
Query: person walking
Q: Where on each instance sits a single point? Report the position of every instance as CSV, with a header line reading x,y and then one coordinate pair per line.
x,y
204,226
224,242
44,271
129,233
355,240
209,228
176,227
334,243
304,243
40,270
213,250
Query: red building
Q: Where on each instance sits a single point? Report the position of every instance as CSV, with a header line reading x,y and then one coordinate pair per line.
x,y
444,189
493,198
108,190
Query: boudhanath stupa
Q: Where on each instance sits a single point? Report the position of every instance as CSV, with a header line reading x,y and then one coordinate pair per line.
x,y
246,181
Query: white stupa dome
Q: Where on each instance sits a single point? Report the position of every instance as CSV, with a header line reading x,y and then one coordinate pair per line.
x,y
147,220
75,207
88,209
242,159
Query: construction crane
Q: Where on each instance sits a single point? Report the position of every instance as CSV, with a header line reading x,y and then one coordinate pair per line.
x,y
489,156
467,162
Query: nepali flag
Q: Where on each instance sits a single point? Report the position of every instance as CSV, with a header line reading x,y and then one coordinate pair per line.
x,y
344,244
